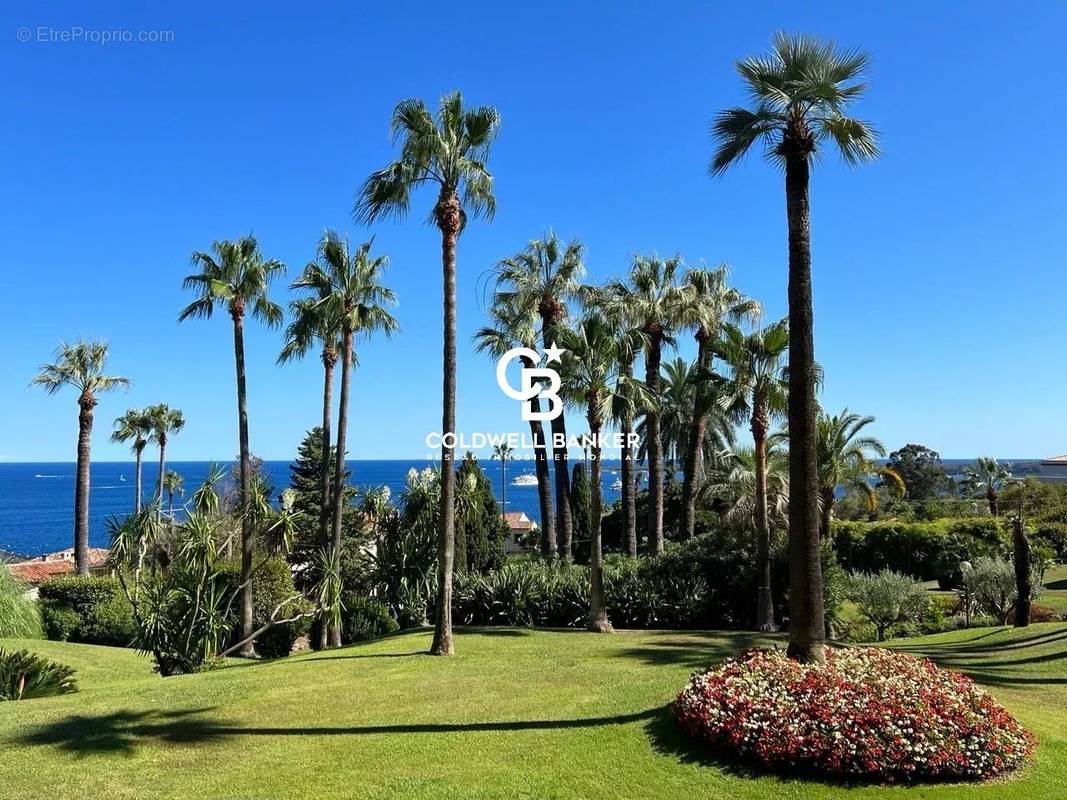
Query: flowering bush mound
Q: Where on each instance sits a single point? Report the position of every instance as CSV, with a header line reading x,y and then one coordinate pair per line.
x,y
867,713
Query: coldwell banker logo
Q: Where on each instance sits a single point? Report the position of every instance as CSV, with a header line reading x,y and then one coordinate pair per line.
x,y
531,385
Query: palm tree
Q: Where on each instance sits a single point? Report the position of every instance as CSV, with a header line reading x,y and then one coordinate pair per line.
x,y
449,152
653,301
174,484
164,421
349,285
757,390
313,323
736,483
511,328
80,365
800,93
542,278
844,460
988,476
134,426
503,452
237,276
591,378
711,301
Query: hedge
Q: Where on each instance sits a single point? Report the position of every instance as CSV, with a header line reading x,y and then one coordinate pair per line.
x,y
90,610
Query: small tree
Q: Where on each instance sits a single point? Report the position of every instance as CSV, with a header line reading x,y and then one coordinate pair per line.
x,y
989,585
886,598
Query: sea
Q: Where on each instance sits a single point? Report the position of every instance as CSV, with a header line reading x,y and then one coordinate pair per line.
x,y
37,500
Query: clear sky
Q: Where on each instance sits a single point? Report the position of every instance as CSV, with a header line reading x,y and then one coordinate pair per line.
x,y
938,271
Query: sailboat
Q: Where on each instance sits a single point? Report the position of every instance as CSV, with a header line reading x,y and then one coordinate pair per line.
x,y
122,478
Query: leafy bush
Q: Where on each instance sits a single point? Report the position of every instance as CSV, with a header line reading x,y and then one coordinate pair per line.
x,y
886,598
364,619
272,584
1039,613
930,550
989,587
103,614
867,713
20,617
60,622
24,676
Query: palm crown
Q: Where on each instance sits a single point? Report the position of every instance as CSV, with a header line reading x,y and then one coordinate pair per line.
x,y
542,277
986,474
450,151
79,365
711,300
133,426
800,94
311,322
348,284
163,421
757,369
237,275
844,454
652,300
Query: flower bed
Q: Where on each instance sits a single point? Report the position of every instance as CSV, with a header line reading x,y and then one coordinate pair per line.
x,y
867,713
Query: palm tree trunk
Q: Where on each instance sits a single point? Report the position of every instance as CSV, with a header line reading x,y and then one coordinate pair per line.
x,y
629,487
138,457
503,487
764,597
81,486
561,470
162,472
329,359
544,478
1023,586
237,314
694,446
448,217
338,504
807,627
826,521
994,504
598,615
655,449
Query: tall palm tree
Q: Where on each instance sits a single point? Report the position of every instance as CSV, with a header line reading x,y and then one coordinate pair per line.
x,y
80,365
543,278
349,285
800,93
448,152
314,323
989,477
652,300
591,379
174,484
134,426
711,301
164,421
513,328
757,391
844,460
735,485
504,453
237,276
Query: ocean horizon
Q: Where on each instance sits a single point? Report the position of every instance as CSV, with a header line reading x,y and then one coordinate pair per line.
x,y
37,498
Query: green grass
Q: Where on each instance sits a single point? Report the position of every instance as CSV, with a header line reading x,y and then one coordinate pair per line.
x,y
517,714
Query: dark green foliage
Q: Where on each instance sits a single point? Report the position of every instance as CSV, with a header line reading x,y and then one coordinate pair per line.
x,y
306,481
580,499
480,527
272,585
924,550
920,467
365,619
90,610
25,676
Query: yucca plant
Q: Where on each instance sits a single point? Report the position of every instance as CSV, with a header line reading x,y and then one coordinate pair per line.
x,y
20,617
25,676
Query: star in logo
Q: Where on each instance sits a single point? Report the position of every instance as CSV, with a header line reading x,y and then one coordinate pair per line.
x,y
553,353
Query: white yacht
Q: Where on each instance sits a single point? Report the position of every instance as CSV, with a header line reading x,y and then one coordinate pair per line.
x,y
526,479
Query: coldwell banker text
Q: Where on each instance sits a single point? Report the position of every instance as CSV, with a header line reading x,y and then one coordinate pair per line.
x,y
523,441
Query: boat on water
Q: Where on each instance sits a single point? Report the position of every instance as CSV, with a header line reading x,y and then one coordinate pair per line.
x,y
526,479
617,485
122,478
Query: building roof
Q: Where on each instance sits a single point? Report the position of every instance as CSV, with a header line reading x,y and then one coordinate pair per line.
x,y
518,521
1055,460
37,570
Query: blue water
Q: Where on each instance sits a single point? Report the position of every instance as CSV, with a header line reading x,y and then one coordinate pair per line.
x,y
37,500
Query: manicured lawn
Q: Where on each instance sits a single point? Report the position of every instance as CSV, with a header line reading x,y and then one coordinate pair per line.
x,y
517,714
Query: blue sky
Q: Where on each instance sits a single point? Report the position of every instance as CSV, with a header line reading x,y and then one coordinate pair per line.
x,y
938,271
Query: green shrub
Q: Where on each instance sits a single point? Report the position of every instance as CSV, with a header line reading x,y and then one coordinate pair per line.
x,y
20,617
887,599
60,622
272,584
103,614
25,676
989,587
364,619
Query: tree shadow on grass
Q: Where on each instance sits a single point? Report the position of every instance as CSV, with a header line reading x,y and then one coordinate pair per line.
x,y
124,731
698,649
